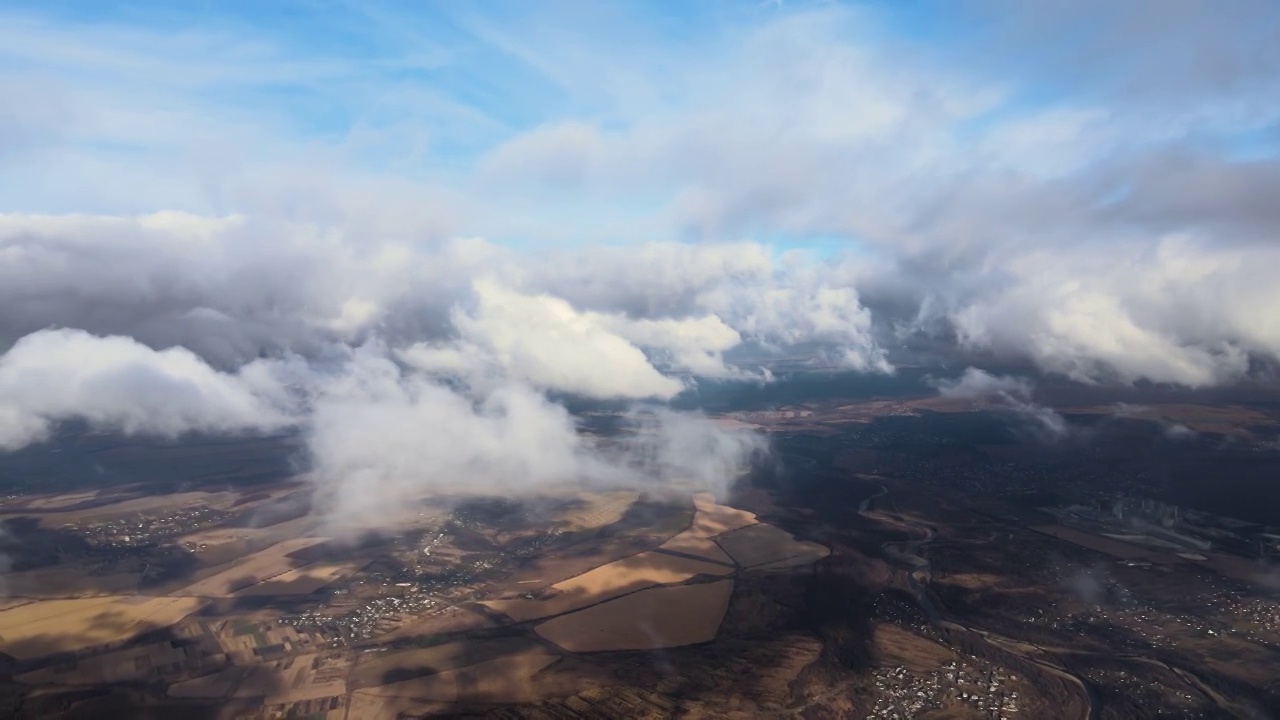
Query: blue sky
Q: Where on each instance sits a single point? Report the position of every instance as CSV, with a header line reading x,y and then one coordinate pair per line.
x,y
579,121
1086,184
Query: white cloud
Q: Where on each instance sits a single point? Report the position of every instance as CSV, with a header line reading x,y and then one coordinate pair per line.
x,y
690,345
978,383
232,289
1010,393
687,448
776,303
1176,311
800,312
544,341
1106,236
118,384
379,439
382,438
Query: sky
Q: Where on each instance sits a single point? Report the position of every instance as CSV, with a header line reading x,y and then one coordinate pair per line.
x,y
260,211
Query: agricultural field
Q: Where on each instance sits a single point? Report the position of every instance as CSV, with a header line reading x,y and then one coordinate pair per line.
x,y
590,510
165,660
713,519
60,510
482,603
440,621
300,581
506,679
644,620
291,680
66,582
766,547
693,543
263,565
56,626
608,581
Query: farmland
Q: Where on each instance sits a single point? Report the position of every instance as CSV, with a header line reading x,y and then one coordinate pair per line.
x,y
643,620
873,577
474,605
47,627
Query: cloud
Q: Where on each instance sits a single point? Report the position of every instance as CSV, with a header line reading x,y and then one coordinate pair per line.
x,y
404,234
380,436
382,439
1170,315
544,341
688,345
495,204
978,383
774,303
232,289
688,449
118,384
1115,228
1171,430
1010,393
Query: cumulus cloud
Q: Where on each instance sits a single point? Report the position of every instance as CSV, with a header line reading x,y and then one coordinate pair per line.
x,y
116,383
978,383
1111,236
544,341
1178,312
599,241
1010,393
385,423
598,322
774,303
1107,235
382,438
688,345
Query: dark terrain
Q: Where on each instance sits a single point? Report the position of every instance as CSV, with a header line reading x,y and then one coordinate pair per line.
x,y
976,568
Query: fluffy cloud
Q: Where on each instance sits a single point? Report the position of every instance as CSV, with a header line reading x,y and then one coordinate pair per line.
x,y
977,383
544,341
1175,311
1179,308
379,438
689,345
1121,231
775,303
116,383
382,438
600,322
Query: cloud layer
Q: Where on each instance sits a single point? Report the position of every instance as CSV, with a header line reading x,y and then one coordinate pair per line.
x,y
443,218
1109,220
118,384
